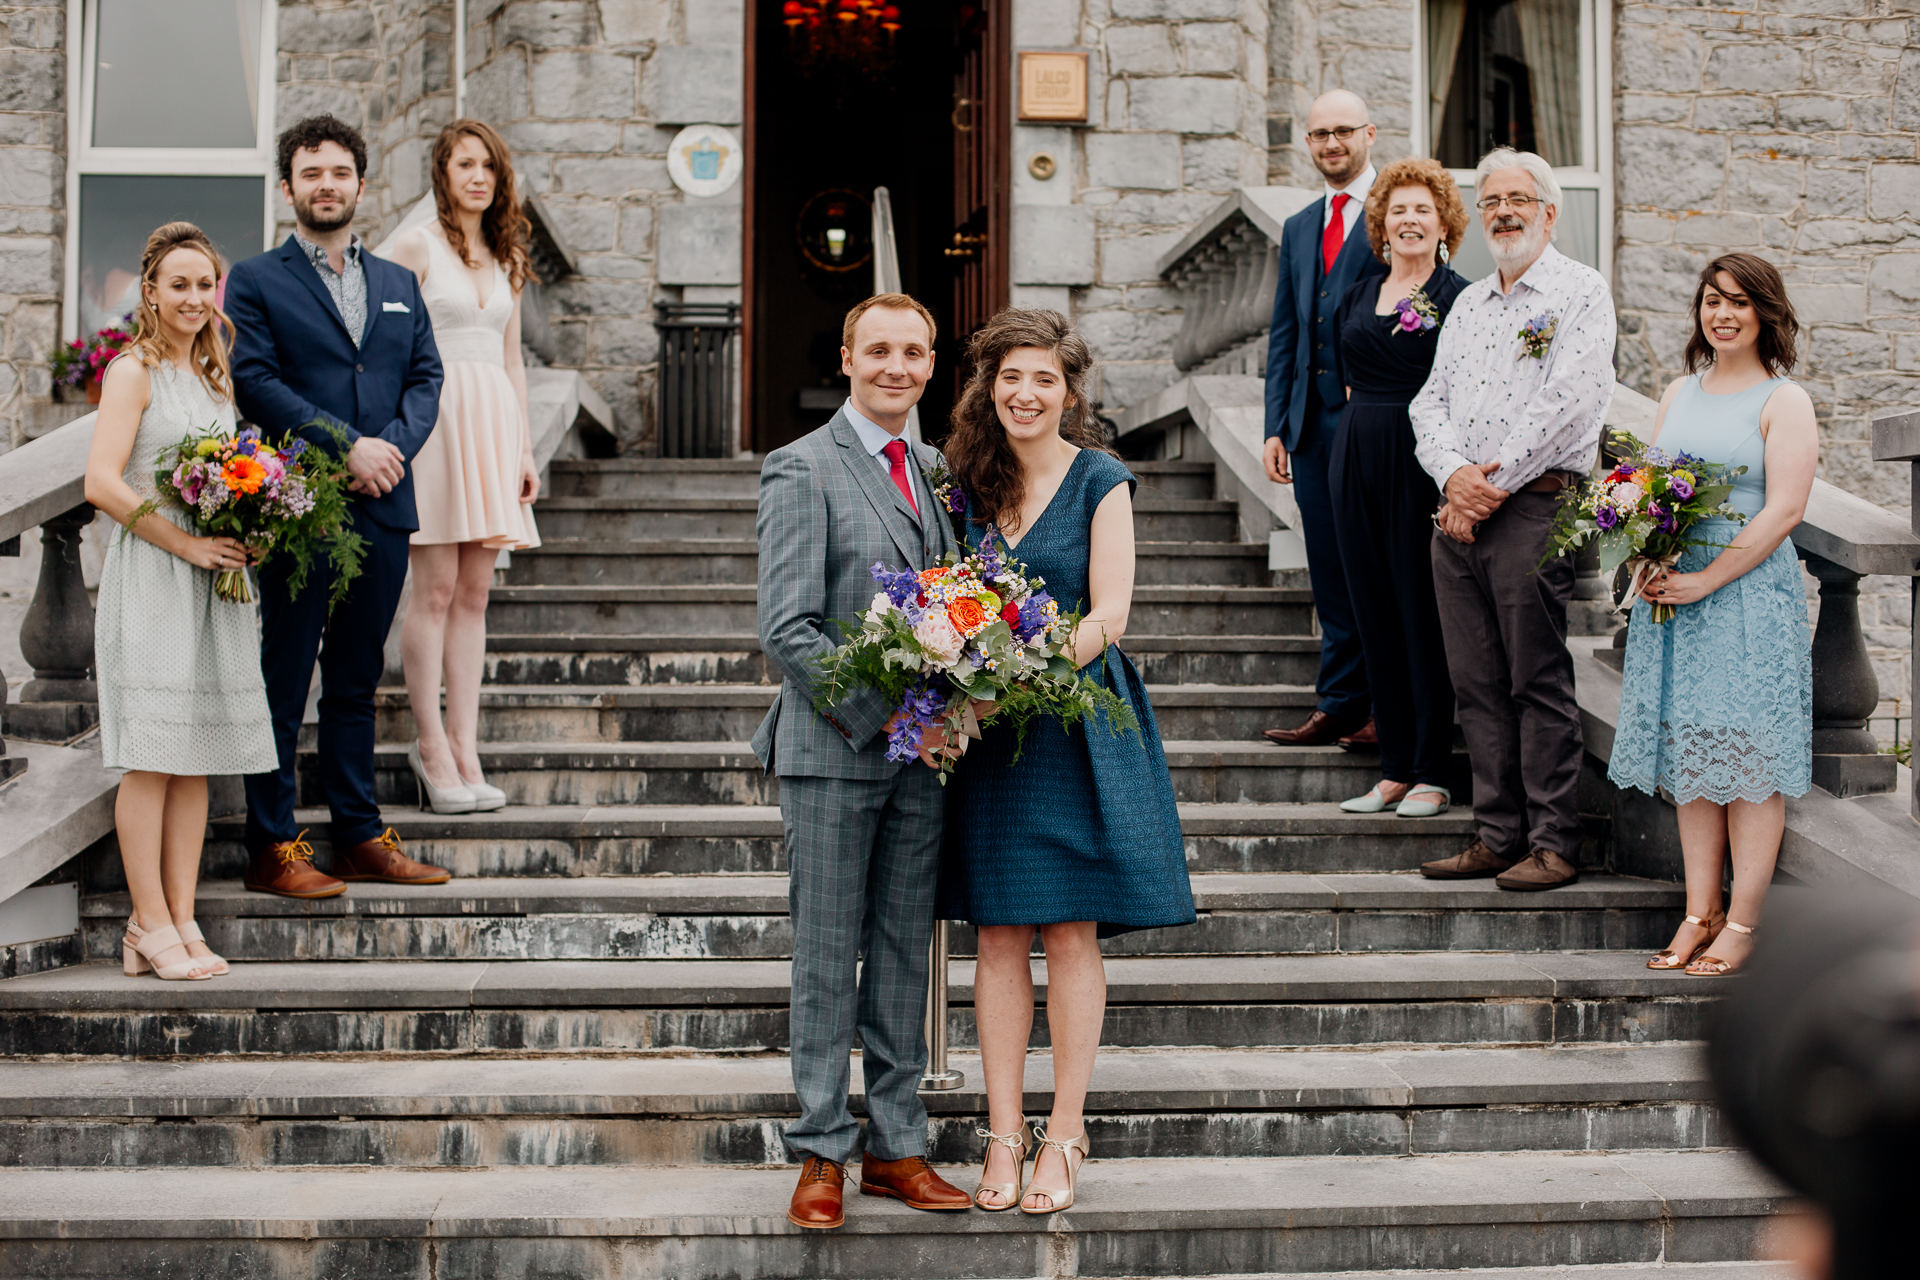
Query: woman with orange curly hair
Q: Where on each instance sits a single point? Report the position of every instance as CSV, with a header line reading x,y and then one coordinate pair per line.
x,y
1383,501
475,480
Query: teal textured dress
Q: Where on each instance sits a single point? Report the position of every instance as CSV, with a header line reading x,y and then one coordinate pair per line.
x,y
1718,703
1084,825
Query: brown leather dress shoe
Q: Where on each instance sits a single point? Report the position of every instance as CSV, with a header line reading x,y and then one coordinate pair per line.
x,y
287,869
1365,738
912,1180
383,860
816,1200
1318,730
1475,862
1541,869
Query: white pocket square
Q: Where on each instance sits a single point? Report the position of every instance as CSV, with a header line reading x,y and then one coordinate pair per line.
x,y
394,306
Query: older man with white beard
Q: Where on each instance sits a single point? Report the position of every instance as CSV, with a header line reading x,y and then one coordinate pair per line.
x,y
1509,418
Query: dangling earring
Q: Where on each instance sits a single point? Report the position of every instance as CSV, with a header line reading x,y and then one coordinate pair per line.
x,y
1444,255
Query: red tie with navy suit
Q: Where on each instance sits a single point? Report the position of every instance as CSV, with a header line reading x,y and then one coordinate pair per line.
x,y
1335,235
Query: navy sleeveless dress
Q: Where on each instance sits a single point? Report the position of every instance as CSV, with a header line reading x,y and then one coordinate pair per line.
x,y
1084,826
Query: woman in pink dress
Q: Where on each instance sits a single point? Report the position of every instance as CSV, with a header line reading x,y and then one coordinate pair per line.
x,y
475,480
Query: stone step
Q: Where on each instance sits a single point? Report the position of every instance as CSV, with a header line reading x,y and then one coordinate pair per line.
x,y
745,917
740,478
701,773
656,840
705,713
1135,1217
721,608
686,561
735,658
741,1006
678,1111
1155,519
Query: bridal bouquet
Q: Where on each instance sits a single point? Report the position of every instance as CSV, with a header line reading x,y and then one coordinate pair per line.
x,y
971,629
1642,513
286,498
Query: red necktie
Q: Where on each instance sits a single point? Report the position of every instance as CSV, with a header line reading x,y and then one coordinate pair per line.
x,y
896,451
1336,233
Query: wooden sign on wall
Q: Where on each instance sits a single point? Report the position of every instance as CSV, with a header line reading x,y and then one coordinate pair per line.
x,y
1053,86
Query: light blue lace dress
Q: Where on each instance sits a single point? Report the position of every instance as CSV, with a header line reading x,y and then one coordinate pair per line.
x,y
1718,703
179,668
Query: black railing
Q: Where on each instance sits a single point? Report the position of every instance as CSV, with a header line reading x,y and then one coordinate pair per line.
x,y
696,378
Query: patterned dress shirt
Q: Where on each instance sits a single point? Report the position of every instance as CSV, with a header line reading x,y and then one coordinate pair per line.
x,y
348,287
1487,400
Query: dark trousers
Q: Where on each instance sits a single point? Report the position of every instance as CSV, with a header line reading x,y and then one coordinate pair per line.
x,y
351,648
1383,504
863,861
1506,628
1342,685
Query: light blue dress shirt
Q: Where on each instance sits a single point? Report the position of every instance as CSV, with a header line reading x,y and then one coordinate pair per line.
x,y
874,438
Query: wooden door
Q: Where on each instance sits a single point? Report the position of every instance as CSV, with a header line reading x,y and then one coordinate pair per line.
x,y
982,177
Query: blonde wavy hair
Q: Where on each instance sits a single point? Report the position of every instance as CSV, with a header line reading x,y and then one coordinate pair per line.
x,y
1414,172
214,342
504,226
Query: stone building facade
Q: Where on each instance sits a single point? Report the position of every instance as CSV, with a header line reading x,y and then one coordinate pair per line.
x,y
1789,129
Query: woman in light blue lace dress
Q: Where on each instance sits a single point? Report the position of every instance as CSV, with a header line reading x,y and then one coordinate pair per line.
x,y
1717,705
181,695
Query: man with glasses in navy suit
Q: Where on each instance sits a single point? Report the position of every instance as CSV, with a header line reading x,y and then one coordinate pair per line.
x,y
1323,253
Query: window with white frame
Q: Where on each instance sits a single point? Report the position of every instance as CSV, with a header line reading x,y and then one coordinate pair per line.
x,y
170,117
1526,74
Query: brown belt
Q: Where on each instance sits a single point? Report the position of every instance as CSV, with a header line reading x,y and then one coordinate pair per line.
x,y
1552,482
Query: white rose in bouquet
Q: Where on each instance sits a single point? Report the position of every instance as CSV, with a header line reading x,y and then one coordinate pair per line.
x,y
939,638
879,607
1627,494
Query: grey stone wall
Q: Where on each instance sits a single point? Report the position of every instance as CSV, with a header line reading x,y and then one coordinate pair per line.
x,y
1177,119
33,184
1317,45
1788,131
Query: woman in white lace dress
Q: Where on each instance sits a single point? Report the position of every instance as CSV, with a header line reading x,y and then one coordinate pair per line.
x,y
181,695
475,481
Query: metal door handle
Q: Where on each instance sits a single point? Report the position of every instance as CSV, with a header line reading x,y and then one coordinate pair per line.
x,y
961,104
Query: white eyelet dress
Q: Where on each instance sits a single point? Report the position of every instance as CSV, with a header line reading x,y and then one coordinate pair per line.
x,y
178,667
466,480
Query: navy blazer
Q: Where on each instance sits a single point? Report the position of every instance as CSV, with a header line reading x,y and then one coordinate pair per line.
x,y
294,363
1290,364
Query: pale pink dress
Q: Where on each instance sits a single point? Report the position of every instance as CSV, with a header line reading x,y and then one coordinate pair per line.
x,y
466,480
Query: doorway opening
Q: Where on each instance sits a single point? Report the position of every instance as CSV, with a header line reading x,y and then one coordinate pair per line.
x,y
839,106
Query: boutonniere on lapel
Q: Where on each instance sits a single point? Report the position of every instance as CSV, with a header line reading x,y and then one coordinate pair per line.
x,y
951,497
1537,335
1416,313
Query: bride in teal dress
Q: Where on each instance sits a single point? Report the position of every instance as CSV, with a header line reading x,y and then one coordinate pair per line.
x,y
1716,706
1080,837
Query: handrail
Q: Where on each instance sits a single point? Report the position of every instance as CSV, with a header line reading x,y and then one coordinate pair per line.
x,y
886,273
44,478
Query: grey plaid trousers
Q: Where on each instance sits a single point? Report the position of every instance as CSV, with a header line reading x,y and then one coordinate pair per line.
x,y
863,857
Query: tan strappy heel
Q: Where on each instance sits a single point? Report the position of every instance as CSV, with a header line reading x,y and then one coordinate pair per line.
x,y
1714,966
214,964
1019,1142
140,946
1670,959
1063,1146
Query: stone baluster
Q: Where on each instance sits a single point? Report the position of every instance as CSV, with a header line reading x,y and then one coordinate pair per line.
x,y
1846,757
62,701
1218,279
1256,305
1233,323
1183,278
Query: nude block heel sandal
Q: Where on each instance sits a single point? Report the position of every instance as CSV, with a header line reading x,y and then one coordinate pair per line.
x,y
1714,966
140,946
1671,959
1019,1142
216,964
1064,1146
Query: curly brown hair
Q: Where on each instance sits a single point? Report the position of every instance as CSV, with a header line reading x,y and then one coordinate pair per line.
x,y
504,225
308,134
1413,172
214,342
1760,281
982,460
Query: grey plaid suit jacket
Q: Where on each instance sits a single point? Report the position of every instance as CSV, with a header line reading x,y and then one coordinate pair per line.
x,y
828,513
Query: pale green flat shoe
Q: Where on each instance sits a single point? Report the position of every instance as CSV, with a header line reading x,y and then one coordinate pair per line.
x,y
1372,802
1412,808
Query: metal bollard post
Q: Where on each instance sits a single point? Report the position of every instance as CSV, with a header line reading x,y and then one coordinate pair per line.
x,y
938,1077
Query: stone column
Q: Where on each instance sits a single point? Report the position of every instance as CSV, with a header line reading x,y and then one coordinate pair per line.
x,y
62,701
1846,758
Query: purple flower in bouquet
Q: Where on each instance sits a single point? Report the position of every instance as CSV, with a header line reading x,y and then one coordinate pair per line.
x,y
901,588
1606,517
1033,615
1662,517
1679,488
923,706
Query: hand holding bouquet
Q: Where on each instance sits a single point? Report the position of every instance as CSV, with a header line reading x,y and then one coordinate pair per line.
x,y
972,629
286,498
1642,512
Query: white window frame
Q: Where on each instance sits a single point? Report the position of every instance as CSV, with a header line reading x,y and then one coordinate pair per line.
x,y
86,160
1595,171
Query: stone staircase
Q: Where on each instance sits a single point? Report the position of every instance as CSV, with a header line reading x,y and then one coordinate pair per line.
x,y
568,1061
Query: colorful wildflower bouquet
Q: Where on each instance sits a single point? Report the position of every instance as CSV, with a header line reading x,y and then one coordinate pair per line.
x,y
286,499
1643,511
975,628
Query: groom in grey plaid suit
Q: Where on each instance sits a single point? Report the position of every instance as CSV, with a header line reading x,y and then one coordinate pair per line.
x,y
862,832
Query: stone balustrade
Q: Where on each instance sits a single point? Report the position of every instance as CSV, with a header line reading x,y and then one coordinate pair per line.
x,y
1228,269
